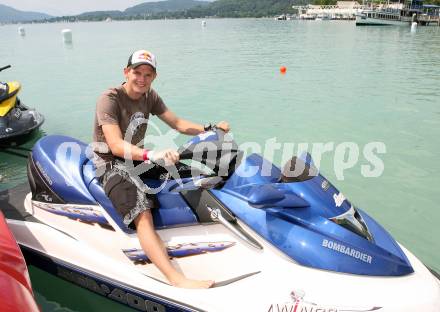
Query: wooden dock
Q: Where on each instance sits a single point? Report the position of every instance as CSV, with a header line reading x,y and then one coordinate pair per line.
x,y
426,20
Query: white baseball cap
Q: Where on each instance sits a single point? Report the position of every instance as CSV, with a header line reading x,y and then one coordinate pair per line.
x,y
142,57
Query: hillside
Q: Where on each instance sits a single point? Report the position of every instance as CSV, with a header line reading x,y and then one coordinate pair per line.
x,y
9,14
243,8
191,9
104,14
144,10
163,6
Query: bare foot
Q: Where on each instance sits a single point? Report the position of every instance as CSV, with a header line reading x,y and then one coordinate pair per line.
x,y
183,282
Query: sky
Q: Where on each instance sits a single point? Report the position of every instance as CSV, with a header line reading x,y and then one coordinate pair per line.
x,y
70,7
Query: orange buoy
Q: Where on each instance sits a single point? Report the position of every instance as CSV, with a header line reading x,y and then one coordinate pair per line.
x,y
283,69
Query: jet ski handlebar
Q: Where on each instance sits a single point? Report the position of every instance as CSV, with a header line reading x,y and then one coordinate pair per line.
x,y
5,67
213,149
190,149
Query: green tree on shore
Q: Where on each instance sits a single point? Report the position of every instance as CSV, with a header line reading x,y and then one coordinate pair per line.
x,y
324,2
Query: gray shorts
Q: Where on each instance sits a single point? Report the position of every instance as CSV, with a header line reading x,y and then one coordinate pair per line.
x,y
128,194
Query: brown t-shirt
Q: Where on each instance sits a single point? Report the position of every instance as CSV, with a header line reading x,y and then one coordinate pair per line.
x,y
115,107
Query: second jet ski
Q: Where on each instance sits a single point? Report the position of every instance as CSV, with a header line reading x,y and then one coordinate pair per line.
x,y
16,119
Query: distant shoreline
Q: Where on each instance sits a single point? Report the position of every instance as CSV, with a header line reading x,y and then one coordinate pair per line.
x,y
128,20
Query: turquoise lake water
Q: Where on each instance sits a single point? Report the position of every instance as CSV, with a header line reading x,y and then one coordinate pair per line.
x,y
343,84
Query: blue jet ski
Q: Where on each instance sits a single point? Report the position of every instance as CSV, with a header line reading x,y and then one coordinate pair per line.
x,y
271,238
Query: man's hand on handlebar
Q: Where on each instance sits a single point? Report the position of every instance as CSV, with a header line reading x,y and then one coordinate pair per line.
x,y
166,157
223,125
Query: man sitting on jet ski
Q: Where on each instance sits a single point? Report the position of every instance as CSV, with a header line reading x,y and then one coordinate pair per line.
x,y
121,123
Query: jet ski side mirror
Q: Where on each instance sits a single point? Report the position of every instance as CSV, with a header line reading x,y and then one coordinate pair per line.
x,y
298,170
269,196
5,67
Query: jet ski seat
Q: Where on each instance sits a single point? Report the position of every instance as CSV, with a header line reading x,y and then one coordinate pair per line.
x,y
66,162
172,210
6,92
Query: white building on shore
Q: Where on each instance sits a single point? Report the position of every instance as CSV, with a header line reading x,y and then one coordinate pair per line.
x,y
342,10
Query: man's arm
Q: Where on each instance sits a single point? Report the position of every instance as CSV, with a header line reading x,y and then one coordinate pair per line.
x,y
181,125
118,146
185,126
123,149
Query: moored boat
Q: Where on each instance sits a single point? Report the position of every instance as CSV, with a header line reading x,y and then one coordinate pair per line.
x,y
401,13
380,17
